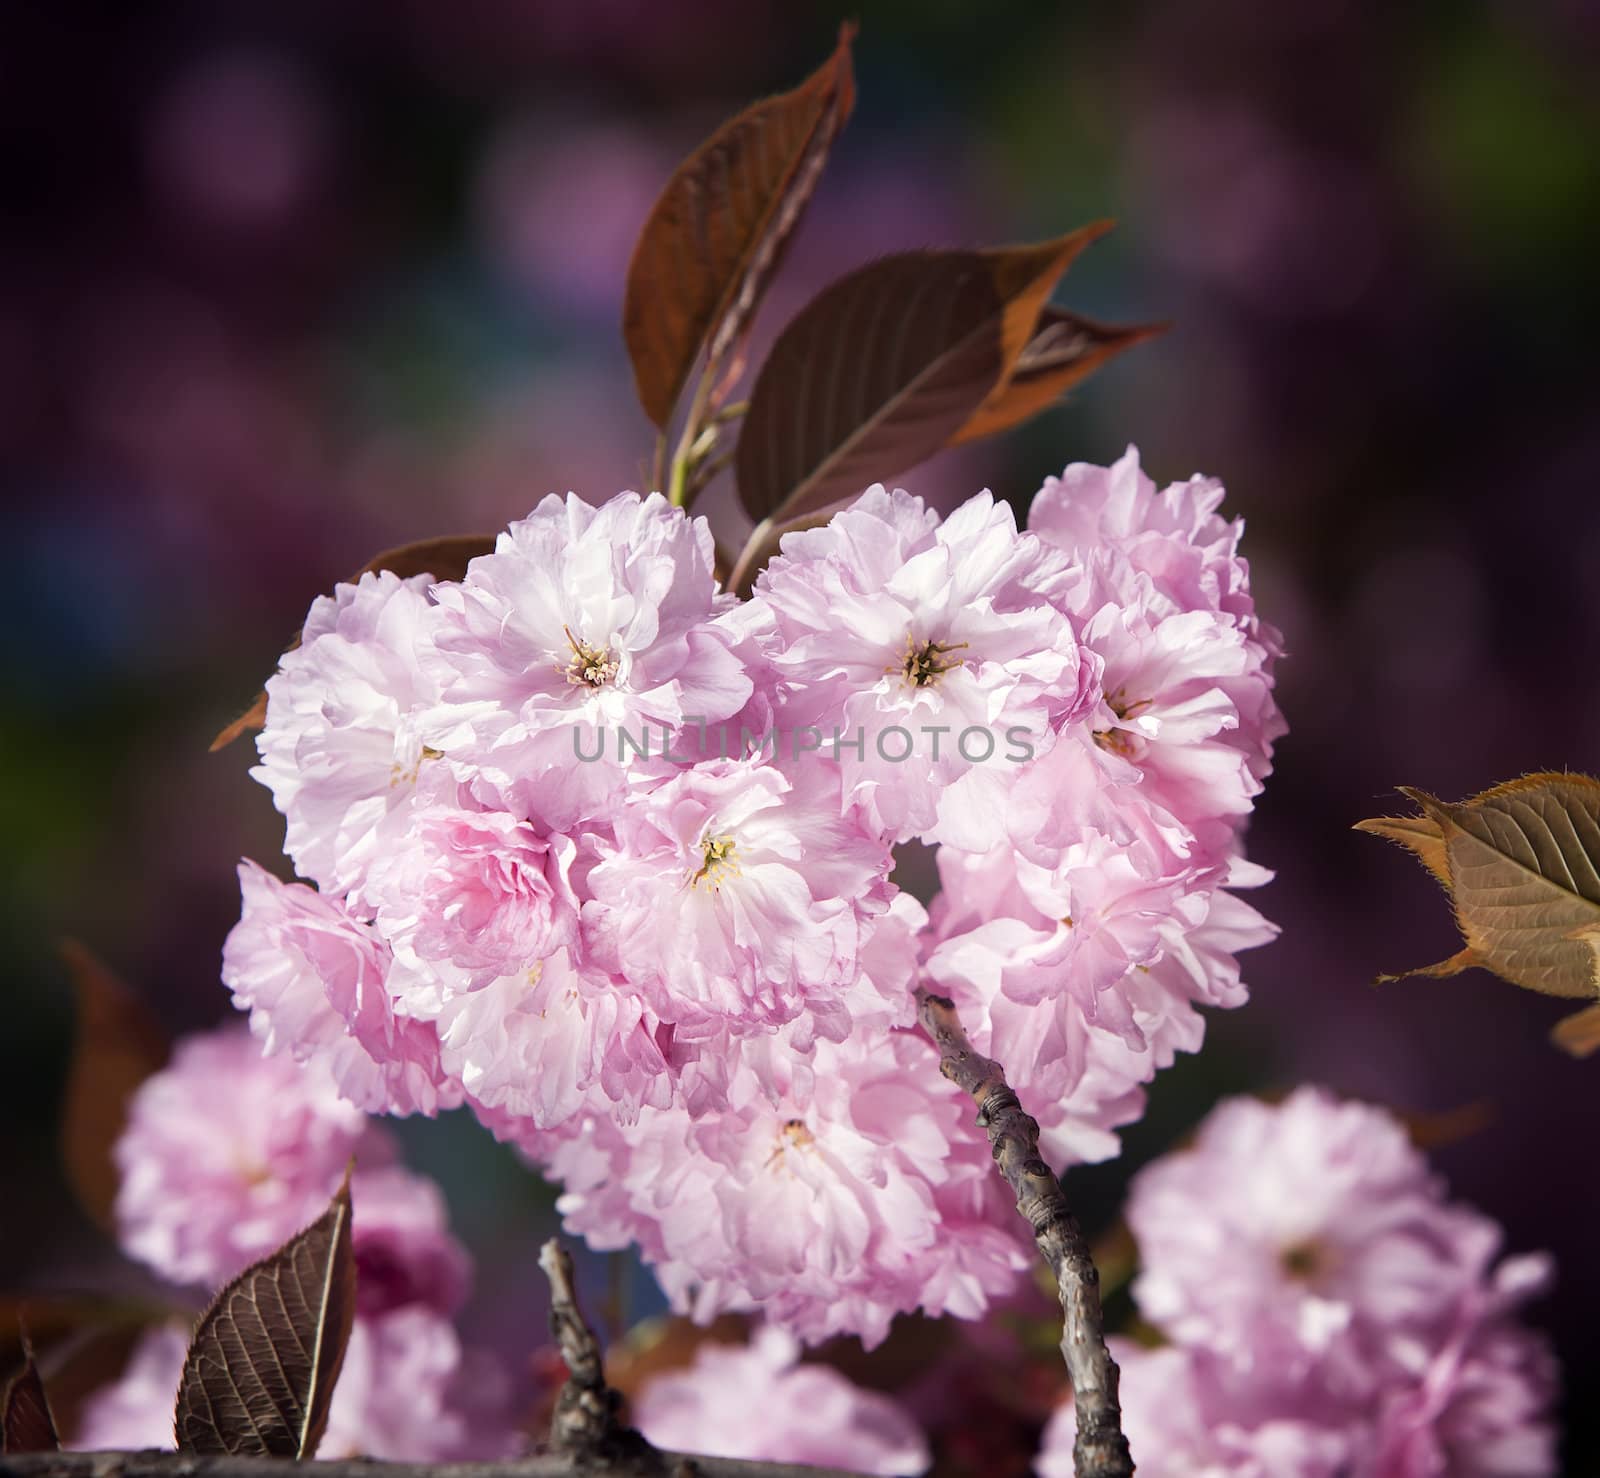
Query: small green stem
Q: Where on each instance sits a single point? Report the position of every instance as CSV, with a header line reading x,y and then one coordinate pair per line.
x,y
679,493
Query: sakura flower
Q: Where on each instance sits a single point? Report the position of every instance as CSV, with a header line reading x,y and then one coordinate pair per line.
x,y
921,654
759,1402
550,1042
1164,602
862,1191
736,892
313,979
341,750
585,630
404,1252
1082,975
1181,1423
478,891
1482,1406
227,1154
1306,1237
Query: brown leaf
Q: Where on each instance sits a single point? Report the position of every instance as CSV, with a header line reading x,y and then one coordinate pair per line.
x,y
446,558
265,1356
1522,865
718,232
26,1424
118,1045
883,367
1418,834
1064,350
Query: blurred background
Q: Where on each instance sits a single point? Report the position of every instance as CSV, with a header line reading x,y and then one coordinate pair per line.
x,y
283,284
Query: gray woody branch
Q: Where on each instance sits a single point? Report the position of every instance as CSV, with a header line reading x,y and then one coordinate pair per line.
x,y
1100,1450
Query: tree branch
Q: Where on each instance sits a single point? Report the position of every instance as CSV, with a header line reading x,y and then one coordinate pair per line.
x,y
587,1415
1100,1450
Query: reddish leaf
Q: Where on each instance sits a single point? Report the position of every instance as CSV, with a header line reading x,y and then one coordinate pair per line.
x,y
1065,349
885,366
266,1355
444,559
716,236
119,1044
26,1424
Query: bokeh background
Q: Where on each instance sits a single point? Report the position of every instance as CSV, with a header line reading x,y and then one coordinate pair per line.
x,y
286,283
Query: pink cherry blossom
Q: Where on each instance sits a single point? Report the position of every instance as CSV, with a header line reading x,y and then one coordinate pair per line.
x,y
949,633
1482,1405
341,750
583,625
1181,1424
1165,605
477,891
227,1154
757,1401
1306,1237
313,979
405,1254
551,1042
558,886
863,1191
1081,973
736,893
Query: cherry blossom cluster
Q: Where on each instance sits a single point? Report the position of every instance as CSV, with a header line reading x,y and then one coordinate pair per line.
x,y
227,1155
1330,1314
607,854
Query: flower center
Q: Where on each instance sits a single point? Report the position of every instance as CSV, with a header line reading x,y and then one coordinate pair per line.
x,y
591,667
719,861
793,1135
1302,1261
400,774
1122,741
925,662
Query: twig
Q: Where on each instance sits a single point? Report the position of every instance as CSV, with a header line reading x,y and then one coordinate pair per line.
x,y
1100,1451
587,1418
